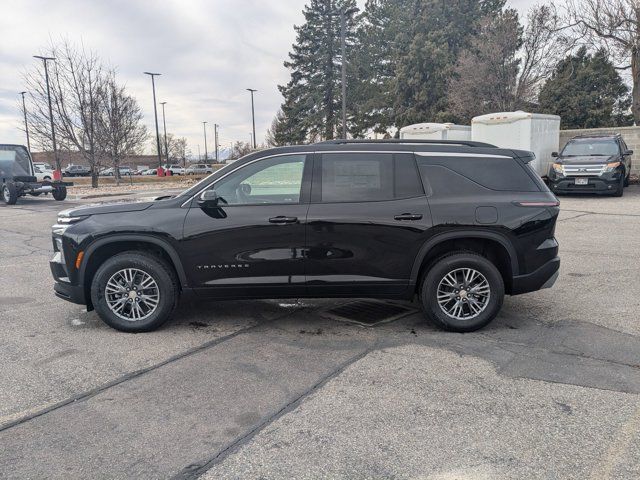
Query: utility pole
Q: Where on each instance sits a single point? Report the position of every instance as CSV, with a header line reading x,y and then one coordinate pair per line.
x,y
343,41
166,142
53,130
155,113
253,116
215,129
26,124
206,154
199,157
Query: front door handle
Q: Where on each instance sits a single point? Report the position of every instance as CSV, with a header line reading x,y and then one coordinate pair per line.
x,y
408,216
282,220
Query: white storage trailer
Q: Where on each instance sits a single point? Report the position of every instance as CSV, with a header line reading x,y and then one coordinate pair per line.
x,y
536,132
435,131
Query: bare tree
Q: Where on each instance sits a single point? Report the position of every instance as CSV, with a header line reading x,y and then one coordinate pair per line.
x,y
486,74
543,45
240,149
178,150
615,26
76,79
119,129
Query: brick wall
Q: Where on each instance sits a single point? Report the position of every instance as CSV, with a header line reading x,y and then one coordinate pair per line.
x,y
631,137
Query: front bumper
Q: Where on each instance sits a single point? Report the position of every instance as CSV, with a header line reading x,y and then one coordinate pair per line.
x,y
543,277
62,286
594,185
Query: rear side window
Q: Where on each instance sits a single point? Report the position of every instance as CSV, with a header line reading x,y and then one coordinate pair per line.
x,y
495,173
368,177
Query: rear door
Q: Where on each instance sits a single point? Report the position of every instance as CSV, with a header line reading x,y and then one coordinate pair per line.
x,y
367,220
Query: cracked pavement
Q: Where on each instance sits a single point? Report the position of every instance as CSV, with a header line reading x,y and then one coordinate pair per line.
x,y
269,389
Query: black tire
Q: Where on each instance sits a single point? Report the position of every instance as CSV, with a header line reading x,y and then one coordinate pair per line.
x,y
60,193
153,266
619,191
9,193
450,263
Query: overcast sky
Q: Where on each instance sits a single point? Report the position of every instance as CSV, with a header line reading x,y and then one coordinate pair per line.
x,y
208,51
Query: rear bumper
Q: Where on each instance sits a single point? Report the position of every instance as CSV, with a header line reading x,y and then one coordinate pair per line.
x,y
543,277
595,185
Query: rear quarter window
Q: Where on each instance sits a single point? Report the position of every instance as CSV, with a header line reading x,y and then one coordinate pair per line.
x,y
494,173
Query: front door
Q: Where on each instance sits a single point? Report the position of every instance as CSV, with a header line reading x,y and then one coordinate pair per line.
x,y
251,243
367,220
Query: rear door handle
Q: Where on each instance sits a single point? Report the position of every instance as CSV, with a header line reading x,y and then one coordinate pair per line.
x,y
282,220
408,216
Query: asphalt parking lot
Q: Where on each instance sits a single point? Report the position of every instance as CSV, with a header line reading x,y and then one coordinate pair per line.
x,y
270,389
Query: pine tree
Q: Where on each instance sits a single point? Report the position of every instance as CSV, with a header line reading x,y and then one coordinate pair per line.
x,y
373,64
587,92
312,102
428,50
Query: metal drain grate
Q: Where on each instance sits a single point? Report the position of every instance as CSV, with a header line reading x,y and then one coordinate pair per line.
x,y
368,312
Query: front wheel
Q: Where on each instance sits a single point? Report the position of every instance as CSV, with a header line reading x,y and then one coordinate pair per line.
x,y
462,292
134,292
619,191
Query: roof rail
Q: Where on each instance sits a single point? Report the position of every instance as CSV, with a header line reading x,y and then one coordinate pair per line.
x,y
407,141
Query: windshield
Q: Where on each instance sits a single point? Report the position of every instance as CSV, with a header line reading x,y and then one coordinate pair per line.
x,y
591,147
14,161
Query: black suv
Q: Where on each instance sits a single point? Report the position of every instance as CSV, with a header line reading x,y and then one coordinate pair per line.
x,y
458,224
592,164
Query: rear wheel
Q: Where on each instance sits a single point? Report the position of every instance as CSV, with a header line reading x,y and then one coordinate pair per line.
x,y
60,193
134,292
462,292
9,193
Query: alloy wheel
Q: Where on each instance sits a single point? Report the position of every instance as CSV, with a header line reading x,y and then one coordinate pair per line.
x,y
463,294
132,294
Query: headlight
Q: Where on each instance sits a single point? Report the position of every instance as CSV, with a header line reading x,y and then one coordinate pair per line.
x,y
611,166
558,168
65,222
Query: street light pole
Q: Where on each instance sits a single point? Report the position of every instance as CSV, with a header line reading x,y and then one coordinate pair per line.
x,y
26,124
343,41
206,155
166,143
253,116
155,114
343,46
215,129
53,130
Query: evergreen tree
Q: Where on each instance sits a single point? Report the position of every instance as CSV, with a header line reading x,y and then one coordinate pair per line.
x,y
312,97
587,92
373,64
428,50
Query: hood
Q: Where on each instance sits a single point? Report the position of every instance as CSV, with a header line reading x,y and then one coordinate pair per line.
x,y
98,209
586,160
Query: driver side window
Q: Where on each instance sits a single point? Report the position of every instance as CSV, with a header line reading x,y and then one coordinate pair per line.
x,y
276,180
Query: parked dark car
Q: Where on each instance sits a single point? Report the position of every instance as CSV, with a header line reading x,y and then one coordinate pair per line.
x,y
458,224
77,171
592,164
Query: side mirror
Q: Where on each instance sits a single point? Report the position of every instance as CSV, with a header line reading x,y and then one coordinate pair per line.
x,y
555,155
209,199
629,152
